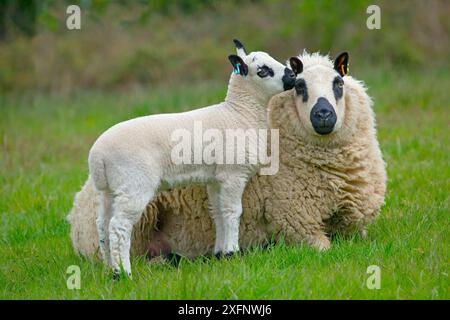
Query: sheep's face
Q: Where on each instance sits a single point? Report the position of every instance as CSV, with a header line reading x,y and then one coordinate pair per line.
x,y
262,72
320,94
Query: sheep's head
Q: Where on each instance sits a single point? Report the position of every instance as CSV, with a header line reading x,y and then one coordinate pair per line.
x,y
259,69
320,90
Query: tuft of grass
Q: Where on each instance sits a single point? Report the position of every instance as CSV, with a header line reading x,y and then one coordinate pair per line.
x,y
43,149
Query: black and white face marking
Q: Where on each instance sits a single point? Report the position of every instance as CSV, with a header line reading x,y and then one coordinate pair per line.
x,y
338,87
265,71
288,79
301,89
320,92
270,75
266,75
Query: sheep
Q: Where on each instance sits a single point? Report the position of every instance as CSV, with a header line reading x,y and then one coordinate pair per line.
x,y
135,159
331,178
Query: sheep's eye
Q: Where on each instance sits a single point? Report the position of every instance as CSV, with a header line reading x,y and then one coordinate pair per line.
x,y
301,89
338,82
338,85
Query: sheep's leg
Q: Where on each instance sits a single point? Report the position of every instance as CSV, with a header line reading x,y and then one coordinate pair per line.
x,y
363,233
319,241
214,211
346,222
102,222
127,209
230,202
300,223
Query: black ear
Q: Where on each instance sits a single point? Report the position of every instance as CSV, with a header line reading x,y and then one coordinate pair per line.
x,y
239,47
296,65
341,64
239,67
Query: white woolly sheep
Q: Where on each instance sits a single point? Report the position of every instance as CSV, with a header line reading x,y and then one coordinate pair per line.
x,y
331,179
134,160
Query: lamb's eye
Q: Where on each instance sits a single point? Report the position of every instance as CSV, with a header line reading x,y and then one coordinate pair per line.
x,y
263,72
340,84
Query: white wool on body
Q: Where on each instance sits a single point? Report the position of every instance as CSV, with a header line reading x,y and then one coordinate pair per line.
x,y
147,141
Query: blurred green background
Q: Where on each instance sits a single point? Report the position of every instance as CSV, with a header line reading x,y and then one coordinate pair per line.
x,y
156,42
60,89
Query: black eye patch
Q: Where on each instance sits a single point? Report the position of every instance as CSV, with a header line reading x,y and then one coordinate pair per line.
x,y
338,87
265,71
301,89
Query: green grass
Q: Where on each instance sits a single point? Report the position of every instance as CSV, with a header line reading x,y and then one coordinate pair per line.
x,y
43,150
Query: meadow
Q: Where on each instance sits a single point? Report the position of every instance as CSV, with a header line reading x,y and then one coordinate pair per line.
x,y
43,153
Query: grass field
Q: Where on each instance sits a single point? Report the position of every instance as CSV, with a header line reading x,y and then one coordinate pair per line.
x,y
43,151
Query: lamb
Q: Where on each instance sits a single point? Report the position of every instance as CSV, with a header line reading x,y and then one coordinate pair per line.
x,y
331,178
134,160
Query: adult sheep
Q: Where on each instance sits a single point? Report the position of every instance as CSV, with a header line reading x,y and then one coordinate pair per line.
x,y
331,177
135,159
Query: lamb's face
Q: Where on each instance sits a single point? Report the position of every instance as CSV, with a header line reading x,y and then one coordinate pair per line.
x,y
320,94
260,70
269,74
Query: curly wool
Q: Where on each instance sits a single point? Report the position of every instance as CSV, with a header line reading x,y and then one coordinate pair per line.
x,y
323,187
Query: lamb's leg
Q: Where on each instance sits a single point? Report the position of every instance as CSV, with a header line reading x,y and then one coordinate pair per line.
x,y
230,203
127,209
214,211
103,217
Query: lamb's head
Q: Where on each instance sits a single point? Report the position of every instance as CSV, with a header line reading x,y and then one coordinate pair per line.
x,y
265,75
320,90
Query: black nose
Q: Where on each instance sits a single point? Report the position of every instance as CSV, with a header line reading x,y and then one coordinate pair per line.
x,y
288,79
323,117
323,114
290,73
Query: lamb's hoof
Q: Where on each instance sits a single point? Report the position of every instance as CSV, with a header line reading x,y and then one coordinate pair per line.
x,y
118,275
227,255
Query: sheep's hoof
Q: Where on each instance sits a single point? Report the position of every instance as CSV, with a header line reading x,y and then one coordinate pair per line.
x,y
363,233
321,243
174,259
